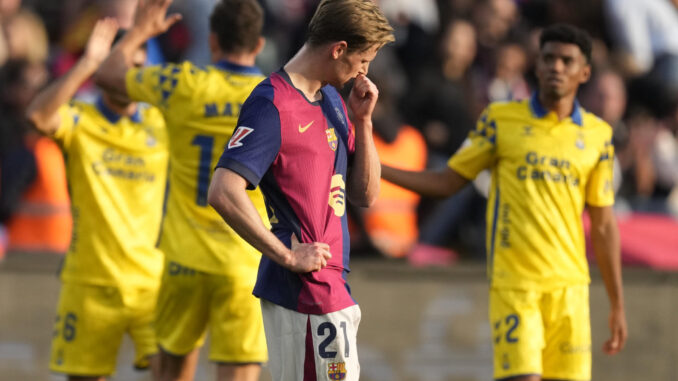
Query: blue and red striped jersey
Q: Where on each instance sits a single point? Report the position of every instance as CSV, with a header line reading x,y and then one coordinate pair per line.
x,y
298,152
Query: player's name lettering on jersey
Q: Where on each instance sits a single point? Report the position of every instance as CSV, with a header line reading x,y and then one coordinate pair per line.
x,y
226,109
556,169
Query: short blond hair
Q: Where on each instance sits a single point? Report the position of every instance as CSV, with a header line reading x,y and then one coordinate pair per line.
x,y
358,22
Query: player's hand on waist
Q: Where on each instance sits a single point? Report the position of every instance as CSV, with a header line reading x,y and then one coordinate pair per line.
x,y
308,257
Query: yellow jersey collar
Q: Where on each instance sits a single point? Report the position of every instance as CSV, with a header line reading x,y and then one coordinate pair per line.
x,y
238,69
113,116
539,111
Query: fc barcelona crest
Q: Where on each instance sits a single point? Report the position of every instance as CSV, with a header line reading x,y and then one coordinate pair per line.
x,y
336,371
331,138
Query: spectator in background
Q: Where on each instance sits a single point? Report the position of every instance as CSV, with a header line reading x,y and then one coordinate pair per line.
x,y
636,159
194,13
40,218
439,102
494,20
646,37
25,36
17,162
391,223
665,159
423,13
646,32
507,81
605,96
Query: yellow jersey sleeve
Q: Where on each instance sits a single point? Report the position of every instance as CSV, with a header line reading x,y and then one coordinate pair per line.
x,y
479,149
69,118
159,84
599,188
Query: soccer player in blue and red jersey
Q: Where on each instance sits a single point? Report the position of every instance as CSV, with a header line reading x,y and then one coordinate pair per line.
x,y
295,141
549,159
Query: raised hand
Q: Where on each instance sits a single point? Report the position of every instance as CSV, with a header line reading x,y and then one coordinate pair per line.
x,y
101,39
151,17
363,97
308,257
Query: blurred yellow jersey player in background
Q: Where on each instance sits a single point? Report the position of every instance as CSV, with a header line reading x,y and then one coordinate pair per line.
x,y
549,160
210,271
117,173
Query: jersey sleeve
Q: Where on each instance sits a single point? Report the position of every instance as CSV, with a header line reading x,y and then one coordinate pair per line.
x,y
256,141
479,149
599,188
69,118
162,85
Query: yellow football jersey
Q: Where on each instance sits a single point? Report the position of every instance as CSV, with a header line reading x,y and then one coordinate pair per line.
x,y
544,171
117,175
201,108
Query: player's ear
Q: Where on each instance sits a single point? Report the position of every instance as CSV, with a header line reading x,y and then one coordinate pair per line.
x,y
338,49
586,73
260,45
214,43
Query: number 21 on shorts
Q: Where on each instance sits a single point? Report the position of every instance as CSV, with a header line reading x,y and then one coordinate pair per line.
x,y
328,331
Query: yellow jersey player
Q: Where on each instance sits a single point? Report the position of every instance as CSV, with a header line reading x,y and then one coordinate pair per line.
x,y
117,173
210,271
549,160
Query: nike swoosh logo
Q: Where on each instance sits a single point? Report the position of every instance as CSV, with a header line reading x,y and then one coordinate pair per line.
x,y
303,129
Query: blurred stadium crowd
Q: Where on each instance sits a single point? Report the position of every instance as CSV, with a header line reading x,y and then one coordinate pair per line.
x,y
451,58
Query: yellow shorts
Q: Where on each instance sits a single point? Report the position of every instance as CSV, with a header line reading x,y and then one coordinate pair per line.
x,y
190,301
544,333
90,323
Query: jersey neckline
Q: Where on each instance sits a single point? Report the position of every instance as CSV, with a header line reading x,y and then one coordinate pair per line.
x,y
285,76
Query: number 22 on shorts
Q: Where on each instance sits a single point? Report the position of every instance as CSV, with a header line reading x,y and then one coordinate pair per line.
x,y
508,325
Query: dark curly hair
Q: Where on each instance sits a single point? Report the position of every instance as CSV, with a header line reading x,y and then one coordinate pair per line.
x,y
568,34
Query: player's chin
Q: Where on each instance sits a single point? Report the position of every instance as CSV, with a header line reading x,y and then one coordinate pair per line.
x,y
554,91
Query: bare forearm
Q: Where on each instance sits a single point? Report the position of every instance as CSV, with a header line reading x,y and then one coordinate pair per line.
x,y
236,208
606,245
363,183
42,111
432,183
112,72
